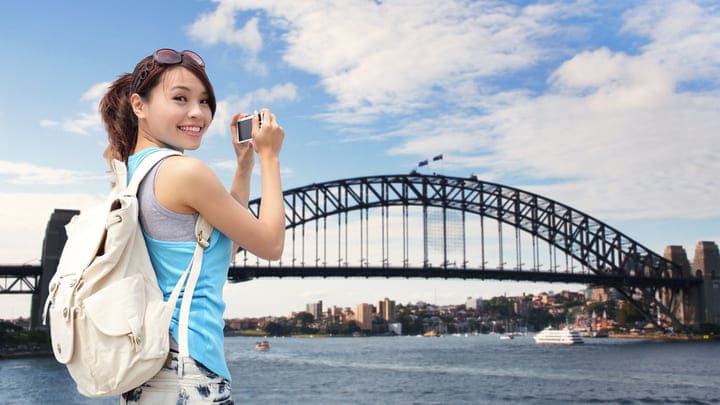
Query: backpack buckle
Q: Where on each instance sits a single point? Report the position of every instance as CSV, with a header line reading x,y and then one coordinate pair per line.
x,y
204,243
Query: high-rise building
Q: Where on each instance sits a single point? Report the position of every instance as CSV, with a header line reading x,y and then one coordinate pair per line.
x,y
364,316
472,303
386,309
315,309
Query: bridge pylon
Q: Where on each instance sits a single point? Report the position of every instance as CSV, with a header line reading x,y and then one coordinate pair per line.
x,y
684,303
706,264
55,238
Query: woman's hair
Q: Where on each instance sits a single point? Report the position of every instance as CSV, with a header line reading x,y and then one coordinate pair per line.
x,y
117,113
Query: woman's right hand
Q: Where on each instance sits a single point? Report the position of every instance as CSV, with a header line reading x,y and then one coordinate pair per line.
x,y
268,136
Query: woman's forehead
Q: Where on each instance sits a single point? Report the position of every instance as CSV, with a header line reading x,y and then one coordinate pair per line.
x,y
178,76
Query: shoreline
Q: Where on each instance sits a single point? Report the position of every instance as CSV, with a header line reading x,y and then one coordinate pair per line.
x,y
46,352
25,354
670,338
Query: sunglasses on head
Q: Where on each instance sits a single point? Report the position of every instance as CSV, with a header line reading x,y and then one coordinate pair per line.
x,y
164,56
168,56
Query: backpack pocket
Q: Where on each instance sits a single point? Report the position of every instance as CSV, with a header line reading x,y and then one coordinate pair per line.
x,y
62,331
119,308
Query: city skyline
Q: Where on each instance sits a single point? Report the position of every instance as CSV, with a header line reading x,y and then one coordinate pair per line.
x,y
326,307
610,108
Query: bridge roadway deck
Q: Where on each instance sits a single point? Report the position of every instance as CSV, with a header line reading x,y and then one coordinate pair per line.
x,y
241,273
20,270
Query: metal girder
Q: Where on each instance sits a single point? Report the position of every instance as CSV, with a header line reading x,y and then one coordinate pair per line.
x,y
21,279
613,258
607,252
593,243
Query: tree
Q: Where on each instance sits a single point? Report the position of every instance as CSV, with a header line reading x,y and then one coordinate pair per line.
x,y
540,318
304,319
352,327
628,314
276,329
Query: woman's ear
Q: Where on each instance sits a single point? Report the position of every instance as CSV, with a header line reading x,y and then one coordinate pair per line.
x,y
138,106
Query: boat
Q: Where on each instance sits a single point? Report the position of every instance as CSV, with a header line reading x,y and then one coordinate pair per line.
x,y
262,346
563,336
602,333
506,337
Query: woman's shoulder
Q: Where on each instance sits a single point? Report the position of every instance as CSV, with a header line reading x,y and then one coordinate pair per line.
x,y
187,173
186,167
182,182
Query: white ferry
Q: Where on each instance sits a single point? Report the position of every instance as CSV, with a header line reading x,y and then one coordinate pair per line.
x,y
563,336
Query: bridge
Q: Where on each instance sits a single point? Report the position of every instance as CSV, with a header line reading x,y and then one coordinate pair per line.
x,y
434,226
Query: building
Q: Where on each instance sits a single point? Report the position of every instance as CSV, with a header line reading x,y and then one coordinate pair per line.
x,y
473,303
315,309
386,310
364,316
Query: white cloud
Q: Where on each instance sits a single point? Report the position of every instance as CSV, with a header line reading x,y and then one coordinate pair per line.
x,y
250,102
30,174
96,92
219,27
25,217
615,131
85,122
48,123
396,56
684,35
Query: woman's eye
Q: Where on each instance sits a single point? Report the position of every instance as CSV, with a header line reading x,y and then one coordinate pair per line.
x,y
205,101
180,98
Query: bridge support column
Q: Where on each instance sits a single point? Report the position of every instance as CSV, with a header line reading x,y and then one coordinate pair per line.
x,y
55,238
684,303
706,263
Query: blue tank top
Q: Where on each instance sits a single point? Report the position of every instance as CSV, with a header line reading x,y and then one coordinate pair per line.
x,y
170,259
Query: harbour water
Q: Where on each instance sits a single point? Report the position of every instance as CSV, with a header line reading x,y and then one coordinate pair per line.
x,y
439,370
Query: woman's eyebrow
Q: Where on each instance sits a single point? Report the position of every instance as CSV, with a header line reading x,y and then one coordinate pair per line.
x,y
185,88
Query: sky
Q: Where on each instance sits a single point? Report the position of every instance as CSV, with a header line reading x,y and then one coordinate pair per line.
x,y
611,107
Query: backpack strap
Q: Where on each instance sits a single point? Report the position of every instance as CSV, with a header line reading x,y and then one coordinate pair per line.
x,y
203,230
141,171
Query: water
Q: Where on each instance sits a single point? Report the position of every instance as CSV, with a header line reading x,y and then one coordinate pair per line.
x,y
446,370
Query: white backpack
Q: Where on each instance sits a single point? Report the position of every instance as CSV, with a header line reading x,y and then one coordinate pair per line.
x,y
108,322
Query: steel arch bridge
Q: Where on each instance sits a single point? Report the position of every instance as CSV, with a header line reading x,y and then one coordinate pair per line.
x,y
450,226
605,255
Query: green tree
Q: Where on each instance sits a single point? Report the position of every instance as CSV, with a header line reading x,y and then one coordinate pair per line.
x,y
276,329
539,318
410,325
628,314
304,319
352,327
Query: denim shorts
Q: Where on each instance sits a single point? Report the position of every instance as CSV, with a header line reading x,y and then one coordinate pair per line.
x,y
197,385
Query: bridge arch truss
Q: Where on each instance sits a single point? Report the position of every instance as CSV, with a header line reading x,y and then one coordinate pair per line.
x,y
594,252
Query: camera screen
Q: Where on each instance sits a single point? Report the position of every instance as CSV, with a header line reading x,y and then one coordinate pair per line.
x,y
244,129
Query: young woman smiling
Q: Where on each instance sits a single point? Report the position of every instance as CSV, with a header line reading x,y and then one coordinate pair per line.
x,y
168,102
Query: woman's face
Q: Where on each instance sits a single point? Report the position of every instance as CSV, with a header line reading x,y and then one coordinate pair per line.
x,y
177,113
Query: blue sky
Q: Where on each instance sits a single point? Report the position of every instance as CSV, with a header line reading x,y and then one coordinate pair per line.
x,y
609,107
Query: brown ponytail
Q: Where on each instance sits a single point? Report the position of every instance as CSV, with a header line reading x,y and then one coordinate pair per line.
x,y
119,118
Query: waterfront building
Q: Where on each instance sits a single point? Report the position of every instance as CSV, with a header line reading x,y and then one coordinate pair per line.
x,y
364,316
474,303
386,309
315,309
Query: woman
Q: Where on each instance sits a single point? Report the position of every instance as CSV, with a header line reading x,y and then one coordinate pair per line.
x,y
168,102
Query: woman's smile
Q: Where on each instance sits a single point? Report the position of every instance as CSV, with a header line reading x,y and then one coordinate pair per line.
x,y
191,130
